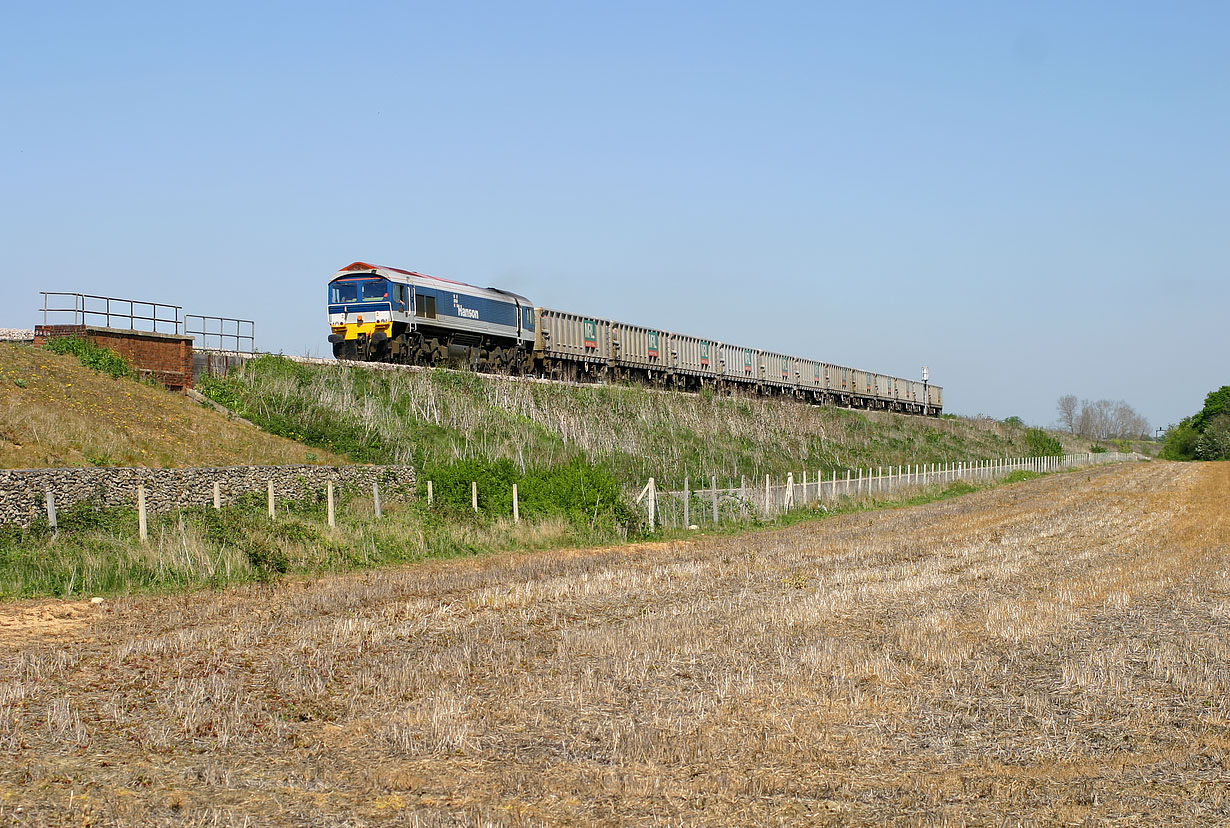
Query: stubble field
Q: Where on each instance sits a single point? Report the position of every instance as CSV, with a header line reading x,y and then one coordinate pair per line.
x,y
1054,652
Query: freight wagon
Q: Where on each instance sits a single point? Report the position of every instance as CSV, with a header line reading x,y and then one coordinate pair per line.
x,y
386,314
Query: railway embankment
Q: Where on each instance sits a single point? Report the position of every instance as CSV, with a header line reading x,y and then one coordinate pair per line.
x,y
435,419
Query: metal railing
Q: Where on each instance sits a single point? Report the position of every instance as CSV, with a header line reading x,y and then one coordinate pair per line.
x,y
130,314
221,333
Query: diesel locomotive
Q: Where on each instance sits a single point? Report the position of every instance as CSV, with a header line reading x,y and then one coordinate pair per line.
x,y
389,315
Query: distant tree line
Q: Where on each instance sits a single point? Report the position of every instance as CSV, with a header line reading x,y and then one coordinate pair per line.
x,y
1101,420
1205,435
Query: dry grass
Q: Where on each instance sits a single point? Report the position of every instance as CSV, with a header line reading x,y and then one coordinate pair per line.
x,y
55,412
1055,652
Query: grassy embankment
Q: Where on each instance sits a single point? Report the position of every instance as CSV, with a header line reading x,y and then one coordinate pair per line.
x,y
575,453
439,419
55,411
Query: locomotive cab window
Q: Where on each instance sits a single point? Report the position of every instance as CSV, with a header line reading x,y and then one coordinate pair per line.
x,y
367,290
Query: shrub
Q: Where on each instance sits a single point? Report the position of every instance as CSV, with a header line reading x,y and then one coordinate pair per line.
x,y
1041,444
90,355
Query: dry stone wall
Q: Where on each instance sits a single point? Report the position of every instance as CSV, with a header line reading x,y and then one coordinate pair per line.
x,y
23,492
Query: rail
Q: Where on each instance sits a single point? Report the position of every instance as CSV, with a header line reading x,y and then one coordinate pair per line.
x,y
87,308
221,333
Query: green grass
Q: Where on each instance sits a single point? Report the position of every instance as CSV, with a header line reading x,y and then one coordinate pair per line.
x,y
97,551
90,355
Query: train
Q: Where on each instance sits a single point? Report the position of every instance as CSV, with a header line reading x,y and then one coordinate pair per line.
x,y
386,314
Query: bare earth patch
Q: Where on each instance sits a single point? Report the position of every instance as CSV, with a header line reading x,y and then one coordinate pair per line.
x,y
1049,653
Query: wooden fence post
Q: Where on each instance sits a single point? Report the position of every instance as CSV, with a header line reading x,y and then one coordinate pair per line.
x,y
329,497
142,525
376,498
516,506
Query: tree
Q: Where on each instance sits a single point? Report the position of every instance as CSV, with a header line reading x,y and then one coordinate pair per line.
x,y
1214,404
1214,442
1205,435
1101,420
1068,406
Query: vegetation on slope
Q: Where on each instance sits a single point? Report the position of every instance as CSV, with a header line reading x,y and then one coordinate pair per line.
x,y
54,411
433,419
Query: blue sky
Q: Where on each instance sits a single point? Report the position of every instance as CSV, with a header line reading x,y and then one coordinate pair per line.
x,y
1032,199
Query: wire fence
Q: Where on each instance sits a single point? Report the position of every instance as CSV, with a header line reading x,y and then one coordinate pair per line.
x,y
706,503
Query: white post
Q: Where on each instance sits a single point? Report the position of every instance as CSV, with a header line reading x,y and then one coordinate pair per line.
x,y
430,494
51,511
805,487
653,504
474,495
768,506
789,491
516,506
329,497
687,502
142,526
376,498
713,488
217,495
270,499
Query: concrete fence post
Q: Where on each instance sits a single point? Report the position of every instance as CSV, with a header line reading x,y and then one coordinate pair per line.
x,y
376,499
516,506
713,488
474,495
329,498
142,524
789,491
217,495
430,494
51,511
768,506
269,499
653,505
687,502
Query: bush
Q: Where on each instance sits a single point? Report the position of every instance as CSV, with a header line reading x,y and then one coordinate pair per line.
x,y
1041,444
1214,443
1180,441
1015,422
586,496
90,355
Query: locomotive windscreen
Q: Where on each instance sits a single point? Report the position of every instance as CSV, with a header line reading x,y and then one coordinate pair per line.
x,y
358,290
